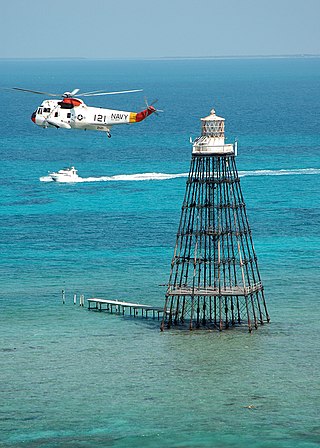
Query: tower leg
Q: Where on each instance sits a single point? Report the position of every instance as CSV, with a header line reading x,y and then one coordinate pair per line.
x,y
254,312
191,314
176,318
183,310
164,313
226,311
238,310
215,311
265,306
204,320
232,311
248,314
220,314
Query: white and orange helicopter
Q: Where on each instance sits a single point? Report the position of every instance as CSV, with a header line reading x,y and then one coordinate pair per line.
x,y
72,113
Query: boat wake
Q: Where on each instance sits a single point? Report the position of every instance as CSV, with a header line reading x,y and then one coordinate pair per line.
x,y
167,176
121,177
293,172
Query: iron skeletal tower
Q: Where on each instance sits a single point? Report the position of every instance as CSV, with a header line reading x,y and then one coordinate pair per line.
x,y
214,280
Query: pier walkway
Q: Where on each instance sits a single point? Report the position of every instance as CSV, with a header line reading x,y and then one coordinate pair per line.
x,y
120,307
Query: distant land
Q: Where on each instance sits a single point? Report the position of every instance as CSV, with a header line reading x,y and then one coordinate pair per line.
x,y
159,58
257,56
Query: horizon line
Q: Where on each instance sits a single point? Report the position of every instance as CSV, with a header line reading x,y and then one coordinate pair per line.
x,y
157,58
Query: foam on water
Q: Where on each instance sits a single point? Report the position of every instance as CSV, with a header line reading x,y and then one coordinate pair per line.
x,y
167,176
291,172
121,177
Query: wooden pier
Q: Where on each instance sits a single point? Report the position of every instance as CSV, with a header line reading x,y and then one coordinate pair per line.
x,y
125,308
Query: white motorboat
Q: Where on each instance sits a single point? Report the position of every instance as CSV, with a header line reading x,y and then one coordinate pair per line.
x,y
65,175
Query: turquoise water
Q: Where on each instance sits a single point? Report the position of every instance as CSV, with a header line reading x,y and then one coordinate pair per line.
x,y
70,378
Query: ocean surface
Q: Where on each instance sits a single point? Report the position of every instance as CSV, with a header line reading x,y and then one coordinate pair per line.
x,y
73,378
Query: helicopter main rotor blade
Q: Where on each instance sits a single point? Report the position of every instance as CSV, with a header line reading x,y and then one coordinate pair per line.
x,y
36,92
75,91
100,93
89,93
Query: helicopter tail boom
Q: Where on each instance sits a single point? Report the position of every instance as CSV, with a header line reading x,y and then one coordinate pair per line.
x,y
136,117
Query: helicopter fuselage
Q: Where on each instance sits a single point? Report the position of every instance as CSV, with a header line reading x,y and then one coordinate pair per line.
x,y
73,113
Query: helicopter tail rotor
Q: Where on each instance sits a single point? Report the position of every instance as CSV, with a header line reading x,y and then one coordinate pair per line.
x,y
150,109
150,106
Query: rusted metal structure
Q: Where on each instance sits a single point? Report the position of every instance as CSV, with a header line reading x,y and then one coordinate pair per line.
x,y
214,280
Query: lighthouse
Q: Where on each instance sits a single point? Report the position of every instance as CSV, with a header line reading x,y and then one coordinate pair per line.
x,y
214,280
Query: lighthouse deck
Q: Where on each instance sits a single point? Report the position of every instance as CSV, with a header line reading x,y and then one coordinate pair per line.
x,y
125,308
216,291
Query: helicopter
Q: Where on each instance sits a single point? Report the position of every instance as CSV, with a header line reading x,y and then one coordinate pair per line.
x,y
71,112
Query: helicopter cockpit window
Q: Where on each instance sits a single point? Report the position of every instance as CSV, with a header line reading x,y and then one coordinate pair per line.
x,y
46,109
40,110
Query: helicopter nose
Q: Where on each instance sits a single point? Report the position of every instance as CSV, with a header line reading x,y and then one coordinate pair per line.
x,y
33,117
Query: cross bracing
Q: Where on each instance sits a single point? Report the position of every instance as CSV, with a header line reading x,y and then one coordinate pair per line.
x,y
214,279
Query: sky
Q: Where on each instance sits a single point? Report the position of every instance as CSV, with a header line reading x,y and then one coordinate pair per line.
x,y
157,29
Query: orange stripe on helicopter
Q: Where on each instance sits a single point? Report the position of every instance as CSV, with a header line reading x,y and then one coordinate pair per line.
x,y
132,118
73,101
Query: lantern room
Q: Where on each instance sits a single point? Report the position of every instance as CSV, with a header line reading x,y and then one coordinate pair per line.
x,y
212,140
